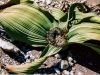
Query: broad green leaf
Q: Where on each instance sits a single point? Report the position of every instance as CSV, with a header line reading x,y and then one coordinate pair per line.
x,y
50,50
76,22
86,17
26,24
58,14
80,27
33,66
46,13
81,15
79,38
95,19
63,22
26,68
70,15
84,32
34,5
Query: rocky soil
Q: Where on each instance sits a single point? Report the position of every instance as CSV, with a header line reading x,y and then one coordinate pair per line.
x,y
80,60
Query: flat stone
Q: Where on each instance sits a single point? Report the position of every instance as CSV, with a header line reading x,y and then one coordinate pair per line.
x,y
63,64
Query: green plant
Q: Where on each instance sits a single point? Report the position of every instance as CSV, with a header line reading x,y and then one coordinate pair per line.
x,y
28,23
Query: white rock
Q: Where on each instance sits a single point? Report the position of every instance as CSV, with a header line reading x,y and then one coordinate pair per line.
x,y
57,70
79,73
9,47
2,72
35,0
32,57
58,56
63,64
43,1
70,59
74,61
28,61
71,72
0,67
66,72
1,2
40,52
28,54
82,1
48,1
35,59
71,64
73,68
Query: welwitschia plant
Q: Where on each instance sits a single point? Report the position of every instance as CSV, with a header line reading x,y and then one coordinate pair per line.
x,y
28,23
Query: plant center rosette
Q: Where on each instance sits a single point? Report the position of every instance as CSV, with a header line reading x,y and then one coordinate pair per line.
x,y
56,37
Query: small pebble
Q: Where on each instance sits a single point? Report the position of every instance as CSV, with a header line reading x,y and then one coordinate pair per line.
x,y
58,56
71,72
28,61
32,57
48,2
9,47
63,64
71,64
29,55
79,73
82,1
66,72
1,2
40,52
70,59
35,59
3,72
73,68
74,61
0,67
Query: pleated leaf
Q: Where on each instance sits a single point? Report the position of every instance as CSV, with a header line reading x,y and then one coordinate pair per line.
x,y
26,68
65,20
50,50
26,24
85,17
31,67
81,15
84,32
58,14
46,13
36,6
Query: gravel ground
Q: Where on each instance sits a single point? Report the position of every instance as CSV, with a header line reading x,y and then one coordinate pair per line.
x,y
79,62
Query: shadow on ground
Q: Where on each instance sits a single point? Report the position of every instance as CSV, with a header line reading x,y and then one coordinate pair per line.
x,y
86,56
